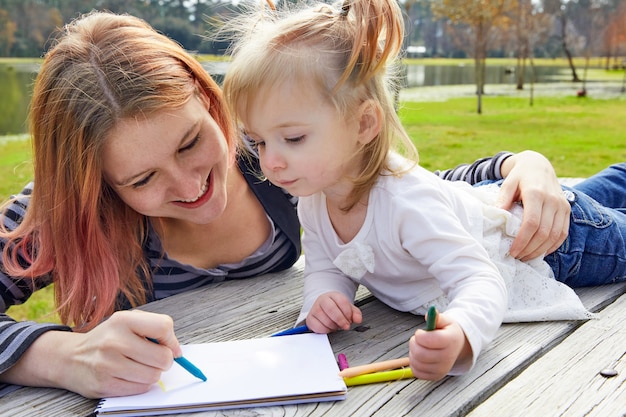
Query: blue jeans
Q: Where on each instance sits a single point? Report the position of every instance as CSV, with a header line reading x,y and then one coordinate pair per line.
x,y
608,187
594,252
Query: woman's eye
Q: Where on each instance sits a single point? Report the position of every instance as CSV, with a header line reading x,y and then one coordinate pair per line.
x,y
190,145
143,181
255,144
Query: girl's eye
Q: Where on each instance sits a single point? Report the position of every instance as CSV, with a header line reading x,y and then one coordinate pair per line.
x,y
190,145
143,181
295,140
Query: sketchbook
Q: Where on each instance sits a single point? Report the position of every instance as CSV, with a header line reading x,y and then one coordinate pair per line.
x,y
243,373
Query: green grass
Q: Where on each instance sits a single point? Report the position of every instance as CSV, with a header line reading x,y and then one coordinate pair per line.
x,y
15,164
579,136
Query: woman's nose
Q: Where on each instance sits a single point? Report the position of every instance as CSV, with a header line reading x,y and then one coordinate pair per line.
x,y
187,186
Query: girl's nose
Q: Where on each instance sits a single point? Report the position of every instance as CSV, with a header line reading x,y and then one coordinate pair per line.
x,y
271,158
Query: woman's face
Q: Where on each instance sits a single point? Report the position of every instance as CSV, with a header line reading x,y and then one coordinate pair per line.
x,y
172,163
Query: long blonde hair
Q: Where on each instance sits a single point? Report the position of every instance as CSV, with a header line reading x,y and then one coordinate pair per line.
x,y
103,68
347,52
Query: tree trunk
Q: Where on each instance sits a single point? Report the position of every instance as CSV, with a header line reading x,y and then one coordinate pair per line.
x,y
532,79
566,49
480,55
521,73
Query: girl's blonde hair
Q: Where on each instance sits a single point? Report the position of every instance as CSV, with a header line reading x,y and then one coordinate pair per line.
x,y
347,52
102,69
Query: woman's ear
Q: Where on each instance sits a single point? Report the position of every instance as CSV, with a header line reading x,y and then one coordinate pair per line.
x,y
370,121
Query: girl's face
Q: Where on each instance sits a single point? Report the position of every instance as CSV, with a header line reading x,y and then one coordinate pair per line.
x,y
305,145
171,164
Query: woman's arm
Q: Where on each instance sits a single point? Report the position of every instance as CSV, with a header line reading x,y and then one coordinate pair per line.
x,y
482,169
530,178
113,359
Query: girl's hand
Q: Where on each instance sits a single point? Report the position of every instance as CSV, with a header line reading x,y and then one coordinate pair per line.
x,y
113,359
432,354
332,311
530,178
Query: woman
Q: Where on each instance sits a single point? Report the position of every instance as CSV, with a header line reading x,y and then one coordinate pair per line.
x,y
140,195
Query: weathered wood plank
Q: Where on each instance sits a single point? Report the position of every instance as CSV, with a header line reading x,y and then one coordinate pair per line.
x,y
566,381
261,306
29,402
515,347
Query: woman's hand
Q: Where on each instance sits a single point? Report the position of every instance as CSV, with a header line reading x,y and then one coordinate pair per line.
x,y
530,178
432,354
113,359
332,311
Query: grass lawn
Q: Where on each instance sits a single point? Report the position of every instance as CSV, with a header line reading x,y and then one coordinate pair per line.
x,y
579,136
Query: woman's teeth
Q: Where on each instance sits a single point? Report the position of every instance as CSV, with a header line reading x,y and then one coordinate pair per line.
x,y
202,191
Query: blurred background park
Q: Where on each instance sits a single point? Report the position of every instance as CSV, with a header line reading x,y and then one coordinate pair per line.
x,y
479,76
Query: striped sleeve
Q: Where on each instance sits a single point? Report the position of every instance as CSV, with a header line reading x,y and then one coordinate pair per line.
x,y
16,337
17,290
480,170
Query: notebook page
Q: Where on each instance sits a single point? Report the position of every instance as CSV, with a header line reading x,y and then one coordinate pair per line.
x,y
243,373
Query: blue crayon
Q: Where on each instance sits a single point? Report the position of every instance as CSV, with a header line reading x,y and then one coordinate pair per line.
x,y
294,330
189,367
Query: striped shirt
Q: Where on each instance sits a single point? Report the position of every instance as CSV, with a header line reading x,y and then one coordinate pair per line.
x,y
170,277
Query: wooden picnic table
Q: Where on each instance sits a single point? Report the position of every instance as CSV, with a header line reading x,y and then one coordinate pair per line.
x,y
530,369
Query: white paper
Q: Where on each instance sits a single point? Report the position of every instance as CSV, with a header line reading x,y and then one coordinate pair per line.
x,y
242,373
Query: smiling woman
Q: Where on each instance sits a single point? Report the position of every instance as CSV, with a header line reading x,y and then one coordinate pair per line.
x,y
164,204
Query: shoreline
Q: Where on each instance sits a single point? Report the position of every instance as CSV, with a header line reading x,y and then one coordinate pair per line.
x,y
595,89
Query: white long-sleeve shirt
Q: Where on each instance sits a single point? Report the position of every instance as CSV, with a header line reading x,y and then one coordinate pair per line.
x,y
424,241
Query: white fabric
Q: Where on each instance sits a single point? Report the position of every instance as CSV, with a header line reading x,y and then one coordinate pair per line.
x,y
428,241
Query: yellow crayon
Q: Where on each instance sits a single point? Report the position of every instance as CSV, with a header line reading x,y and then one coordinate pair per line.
x,y
395,375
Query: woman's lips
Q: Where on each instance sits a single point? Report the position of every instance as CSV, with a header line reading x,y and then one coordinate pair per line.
x,y
204,196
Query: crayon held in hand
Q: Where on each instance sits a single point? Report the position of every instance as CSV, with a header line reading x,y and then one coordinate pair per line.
x,y
431,318
189,367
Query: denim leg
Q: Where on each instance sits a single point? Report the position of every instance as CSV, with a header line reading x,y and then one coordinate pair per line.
x,y
608,187
594,252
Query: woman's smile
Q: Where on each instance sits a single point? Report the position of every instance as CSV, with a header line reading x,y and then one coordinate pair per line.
x,y
205,195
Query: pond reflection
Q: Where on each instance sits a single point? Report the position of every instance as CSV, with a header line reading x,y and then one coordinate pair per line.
x,y
16,81
433,75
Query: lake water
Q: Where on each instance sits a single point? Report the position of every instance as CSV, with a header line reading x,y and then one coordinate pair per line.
x,y
16,81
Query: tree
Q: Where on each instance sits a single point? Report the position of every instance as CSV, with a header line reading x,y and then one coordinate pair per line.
x,y
558,9
482,17
7,32
531,26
